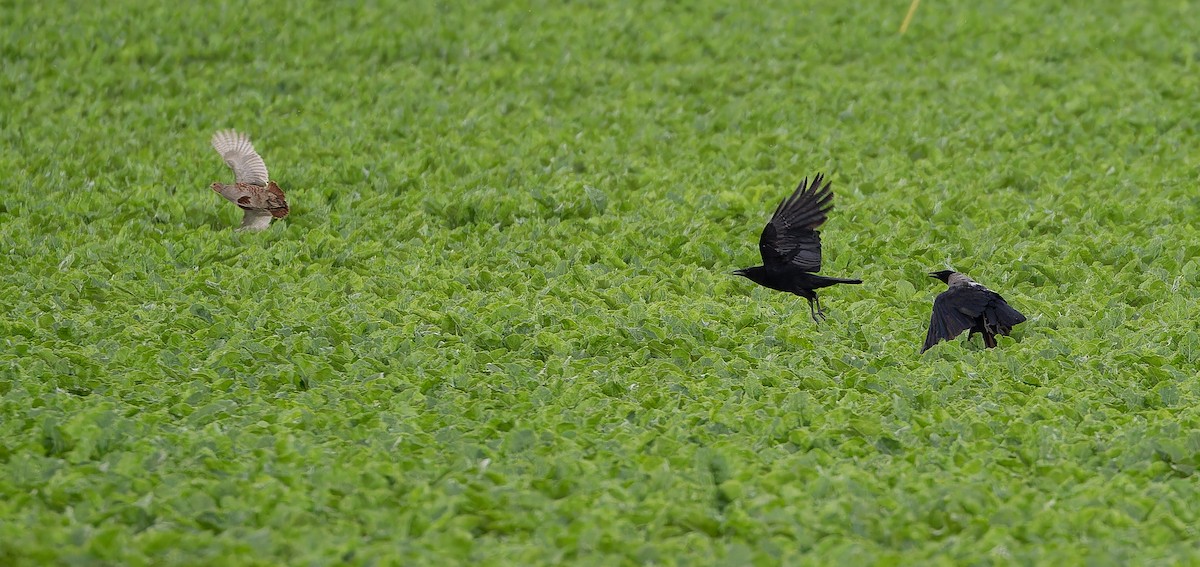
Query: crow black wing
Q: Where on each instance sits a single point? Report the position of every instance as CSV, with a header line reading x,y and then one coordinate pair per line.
x,y
790,238
1000,316
956,310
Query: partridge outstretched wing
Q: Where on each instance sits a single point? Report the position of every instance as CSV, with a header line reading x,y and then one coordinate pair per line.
x,y
237,151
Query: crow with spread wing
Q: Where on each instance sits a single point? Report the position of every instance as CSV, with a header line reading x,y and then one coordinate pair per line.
x,y
968,306
791,246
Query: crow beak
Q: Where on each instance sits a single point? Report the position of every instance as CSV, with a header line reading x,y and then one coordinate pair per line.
x,y
738,273
933,274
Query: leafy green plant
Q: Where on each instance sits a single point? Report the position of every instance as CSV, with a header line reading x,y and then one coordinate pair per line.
x,y
498,326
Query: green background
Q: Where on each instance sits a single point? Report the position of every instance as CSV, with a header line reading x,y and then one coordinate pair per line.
x,y
499,326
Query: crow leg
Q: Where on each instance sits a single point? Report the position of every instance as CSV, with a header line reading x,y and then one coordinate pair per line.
x,y
820,310
814,308
989,340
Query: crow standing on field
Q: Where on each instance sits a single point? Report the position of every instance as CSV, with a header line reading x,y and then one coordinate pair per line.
x,y
791,247
967,305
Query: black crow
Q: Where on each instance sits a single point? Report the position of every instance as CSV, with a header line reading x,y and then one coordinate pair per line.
x,y
791,248
968,306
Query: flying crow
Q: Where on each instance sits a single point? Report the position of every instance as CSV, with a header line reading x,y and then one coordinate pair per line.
x,y
968,306
791,247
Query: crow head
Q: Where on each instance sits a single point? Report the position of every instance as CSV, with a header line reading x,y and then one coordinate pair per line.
x,y
756,274
943,275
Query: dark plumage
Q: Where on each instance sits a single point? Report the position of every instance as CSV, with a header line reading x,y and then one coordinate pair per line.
x,y
791,247
968,306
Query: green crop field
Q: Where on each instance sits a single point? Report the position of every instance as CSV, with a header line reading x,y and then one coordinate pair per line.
x,y
499,326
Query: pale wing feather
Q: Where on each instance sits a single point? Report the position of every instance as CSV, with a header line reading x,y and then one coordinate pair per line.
x,y
237,151
255,219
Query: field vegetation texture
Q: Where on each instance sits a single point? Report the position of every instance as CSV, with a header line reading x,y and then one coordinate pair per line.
x,y
499,326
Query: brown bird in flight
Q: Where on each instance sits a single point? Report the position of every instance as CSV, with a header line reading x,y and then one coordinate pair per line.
x,y
260,198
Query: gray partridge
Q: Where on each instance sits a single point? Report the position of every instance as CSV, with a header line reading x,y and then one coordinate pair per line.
x,y
260,198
